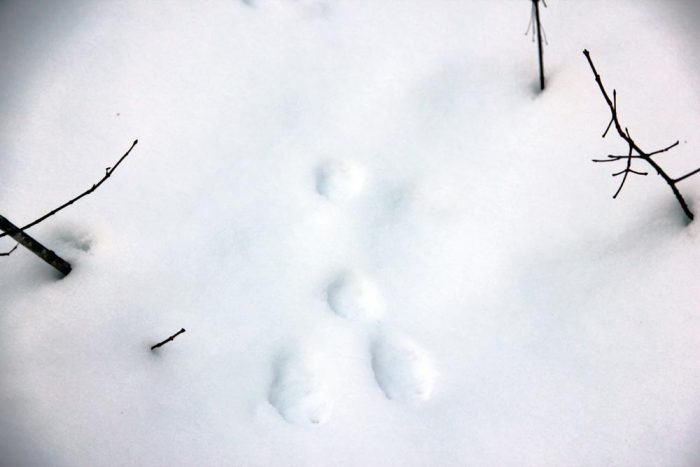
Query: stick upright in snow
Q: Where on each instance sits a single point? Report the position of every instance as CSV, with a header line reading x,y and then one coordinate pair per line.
x,y
536,25
168,339
635,152
539,41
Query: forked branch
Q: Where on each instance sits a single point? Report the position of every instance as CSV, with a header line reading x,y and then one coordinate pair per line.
x,y
635,152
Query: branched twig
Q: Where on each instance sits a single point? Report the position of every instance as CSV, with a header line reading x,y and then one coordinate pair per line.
x,y
108,172
168,339
531,24
634,148
9,252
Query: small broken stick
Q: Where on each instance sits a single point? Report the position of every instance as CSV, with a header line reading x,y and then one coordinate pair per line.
x,y
168,339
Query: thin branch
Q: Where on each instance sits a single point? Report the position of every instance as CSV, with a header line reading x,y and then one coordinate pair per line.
x,y
536,4
663,150
615,158
629,171
168,339
612,119
626,171
108,173
607,128
9,252
686,175
634,148
530,25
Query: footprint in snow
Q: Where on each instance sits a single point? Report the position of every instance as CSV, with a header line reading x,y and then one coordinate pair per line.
x,y
354,297
339,180
299,392
402,370
304,7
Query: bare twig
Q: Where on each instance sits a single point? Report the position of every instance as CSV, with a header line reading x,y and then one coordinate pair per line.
x,y
625,172
536,6
634,148
108,173
612,119
168,339
9,252
686,175
663,150
615,158
535,25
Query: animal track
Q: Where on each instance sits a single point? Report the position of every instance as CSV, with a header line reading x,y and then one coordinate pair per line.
x,y
354,297
299,392
339,180
402,370
301,7
81,241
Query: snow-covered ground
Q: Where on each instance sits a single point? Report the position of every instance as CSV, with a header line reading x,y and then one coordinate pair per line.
x,y
387,248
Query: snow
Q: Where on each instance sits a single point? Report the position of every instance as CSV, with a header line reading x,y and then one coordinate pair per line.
x,y
298,391
355,297
402,370
386,246
339,180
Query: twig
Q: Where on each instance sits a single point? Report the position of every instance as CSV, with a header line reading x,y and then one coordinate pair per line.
x,y
108,172
612,119
9,252
630,171
634,148
536,5
615,158
663,150
168,339
686,175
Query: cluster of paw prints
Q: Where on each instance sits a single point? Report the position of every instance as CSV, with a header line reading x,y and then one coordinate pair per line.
x,y
402,370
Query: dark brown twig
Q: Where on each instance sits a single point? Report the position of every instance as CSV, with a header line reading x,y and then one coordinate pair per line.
x,y
536,27
664,149
607,128
634,148
686,175
539,42
9,252
108,173
168,339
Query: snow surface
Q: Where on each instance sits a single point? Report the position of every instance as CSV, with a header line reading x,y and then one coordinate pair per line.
x,y
339,180
401,369
386,246
355,297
